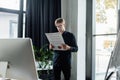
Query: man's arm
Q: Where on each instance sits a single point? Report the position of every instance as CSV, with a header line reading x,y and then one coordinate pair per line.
x,y
74,47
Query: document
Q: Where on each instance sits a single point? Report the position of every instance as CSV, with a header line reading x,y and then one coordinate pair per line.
x,y
55,39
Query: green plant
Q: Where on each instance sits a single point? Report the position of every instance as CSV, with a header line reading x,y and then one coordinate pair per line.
x,y
44,55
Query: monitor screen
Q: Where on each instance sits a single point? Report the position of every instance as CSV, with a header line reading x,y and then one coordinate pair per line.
x,y
19,55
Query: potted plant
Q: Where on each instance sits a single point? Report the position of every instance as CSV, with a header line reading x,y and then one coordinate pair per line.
x,y
44,58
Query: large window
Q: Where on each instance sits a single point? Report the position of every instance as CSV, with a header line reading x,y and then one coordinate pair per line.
x,y
10,4
10,18
104,35
8,25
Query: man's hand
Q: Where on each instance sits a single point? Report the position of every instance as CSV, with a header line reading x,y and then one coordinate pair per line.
x,y
64,47
51,46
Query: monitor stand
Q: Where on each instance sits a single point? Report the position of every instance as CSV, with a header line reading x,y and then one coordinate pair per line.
x,y
3,69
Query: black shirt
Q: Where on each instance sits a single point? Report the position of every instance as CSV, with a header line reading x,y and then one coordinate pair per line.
x,y
64,57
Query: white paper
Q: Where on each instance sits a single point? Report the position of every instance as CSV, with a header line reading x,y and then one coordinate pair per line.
x,y
55,39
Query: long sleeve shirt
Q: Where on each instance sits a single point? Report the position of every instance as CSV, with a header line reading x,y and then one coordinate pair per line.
x,y
64,57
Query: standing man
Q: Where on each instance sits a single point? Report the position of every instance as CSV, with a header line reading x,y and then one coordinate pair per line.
x,y
62,58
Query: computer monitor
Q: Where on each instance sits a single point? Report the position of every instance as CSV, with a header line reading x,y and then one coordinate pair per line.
x,y
20,57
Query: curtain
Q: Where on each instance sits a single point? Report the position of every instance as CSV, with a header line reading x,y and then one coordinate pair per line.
x,y
40,17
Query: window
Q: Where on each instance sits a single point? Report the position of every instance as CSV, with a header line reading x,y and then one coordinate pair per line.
x,y
24,5
104,35
13,29
10,4
8,24
11,23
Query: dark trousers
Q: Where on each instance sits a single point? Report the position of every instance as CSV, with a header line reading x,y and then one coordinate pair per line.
x,y
66,72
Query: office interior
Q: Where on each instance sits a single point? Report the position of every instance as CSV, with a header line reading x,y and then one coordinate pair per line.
x,y
95,24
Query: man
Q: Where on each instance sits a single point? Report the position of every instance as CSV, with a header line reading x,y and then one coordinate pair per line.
x,y
62,58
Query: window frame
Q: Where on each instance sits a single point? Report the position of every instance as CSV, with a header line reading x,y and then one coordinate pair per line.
x,y
93,36
20,16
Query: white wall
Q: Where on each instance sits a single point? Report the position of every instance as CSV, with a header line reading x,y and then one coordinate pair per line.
x,y
74,12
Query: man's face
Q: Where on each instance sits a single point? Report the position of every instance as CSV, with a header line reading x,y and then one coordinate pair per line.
x,y
60,27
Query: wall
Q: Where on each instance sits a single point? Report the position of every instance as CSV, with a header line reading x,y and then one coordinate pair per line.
x,y
74,12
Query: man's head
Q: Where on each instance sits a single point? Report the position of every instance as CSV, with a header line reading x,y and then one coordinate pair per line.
x,y
60,24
